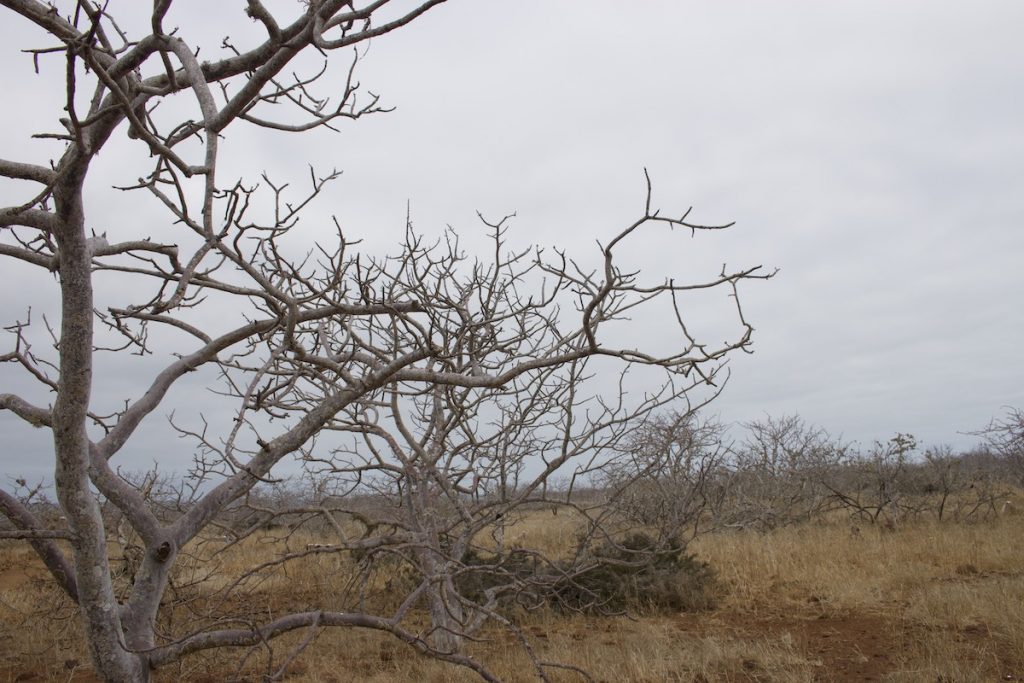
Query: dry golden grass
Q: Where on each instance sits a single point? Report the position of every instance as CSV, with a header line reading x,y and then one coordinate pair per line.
x,y
869,571
926,602
953,593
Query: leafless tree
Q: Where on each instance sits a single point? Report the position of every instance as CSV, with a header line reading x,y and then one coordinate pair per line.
x,y
453,467
1005,437
959,486
945,479
778,472
303,344
874,486
673,479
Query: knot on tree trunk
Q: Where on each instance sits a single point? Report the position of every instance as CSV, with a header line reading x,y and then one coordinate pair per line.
x,y
162,552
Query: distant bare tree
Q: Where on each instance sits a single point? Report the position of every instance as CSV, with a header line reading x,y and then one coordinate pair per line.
x,y
946,479
1005,437
874,486
673,480
959,486
779,469
303,344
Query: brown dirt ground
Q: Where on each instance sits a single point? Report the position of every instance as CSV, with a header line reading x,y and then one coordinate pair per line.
x,y
854,647
848,647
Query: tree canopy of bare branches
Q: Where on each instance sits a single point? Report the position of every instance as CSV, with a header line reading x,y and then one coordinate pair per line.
x,y
462,380
1005,436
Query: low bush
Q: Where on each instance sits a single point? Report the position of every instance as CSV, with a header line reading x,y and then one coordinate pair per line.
x,y
636,574
639,574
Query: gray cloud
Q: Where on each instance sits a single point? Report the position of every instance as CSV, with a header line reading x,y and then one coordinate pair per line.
x,y
873,151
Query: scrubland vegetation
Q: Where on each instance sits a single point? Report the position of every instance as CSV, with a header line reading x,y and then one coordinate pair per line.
x,y
928,601
501,478
912,570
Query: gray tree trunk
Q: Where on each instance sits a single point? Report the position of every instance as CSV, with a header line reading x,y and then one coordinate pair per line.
x,y
100,611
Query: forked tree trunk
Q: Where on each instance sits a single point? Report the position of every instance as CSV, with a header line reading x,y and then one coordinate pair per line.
x,y
97,602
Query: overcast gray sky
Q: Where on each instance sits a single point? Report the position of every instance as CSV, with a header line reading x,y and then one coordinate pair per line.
x,y
873,151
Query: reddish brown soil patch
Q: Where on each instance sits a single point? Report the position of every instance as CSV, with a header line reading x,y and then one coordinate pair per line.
x,y
850,647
